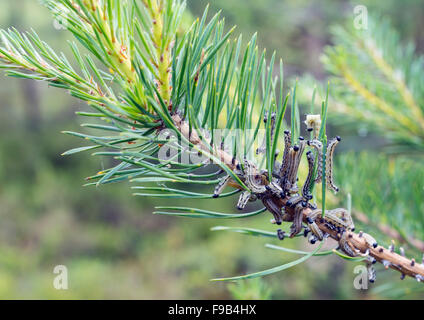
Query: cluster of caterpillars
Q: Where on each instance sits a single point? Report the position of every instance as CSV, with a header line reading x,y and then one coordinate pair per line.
x,y
282,186
282,196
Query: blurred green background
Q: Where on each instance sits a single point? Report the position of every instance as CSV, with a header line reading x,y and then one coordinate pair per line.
x,y
112,245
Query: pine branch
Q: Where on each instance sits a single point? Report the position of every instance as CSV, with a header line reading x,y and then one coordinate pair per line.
x,y
187,88
391,233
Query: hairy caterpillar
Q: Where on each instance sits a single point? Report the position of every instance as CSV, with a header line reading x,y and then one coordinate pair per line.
x,y
306,186
329,163
317,145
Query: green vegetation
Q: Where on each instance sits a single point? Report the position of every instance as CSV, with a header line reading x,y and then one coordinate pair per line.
x,y
98,232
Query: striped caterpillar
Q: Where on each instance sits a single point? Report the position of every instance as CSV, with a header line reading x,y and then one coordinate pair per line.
x,y
337,219
297,220
329,163
317,145
306,186
221,186
283,185
252,177
285,163
294,162
274,209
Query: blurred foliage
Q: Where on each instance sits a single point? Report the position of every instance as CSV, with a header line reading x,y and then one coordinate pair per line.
x,y
110,242
254,289
379,83
393,199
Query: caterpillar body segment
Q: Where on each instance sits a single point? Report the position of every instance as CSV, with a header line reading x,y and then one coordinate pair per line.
x,y
329,164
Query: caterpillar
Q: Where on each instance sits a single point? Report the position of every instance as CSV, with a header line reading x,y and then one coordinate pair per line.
x,y
346,247
312,239
306,186
317,145
221,186
329,163
285,163
295,158
372,274
280,234
251,178
314,228
294,201
339,217
299,153
297,221
243,199
274,209
275,189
